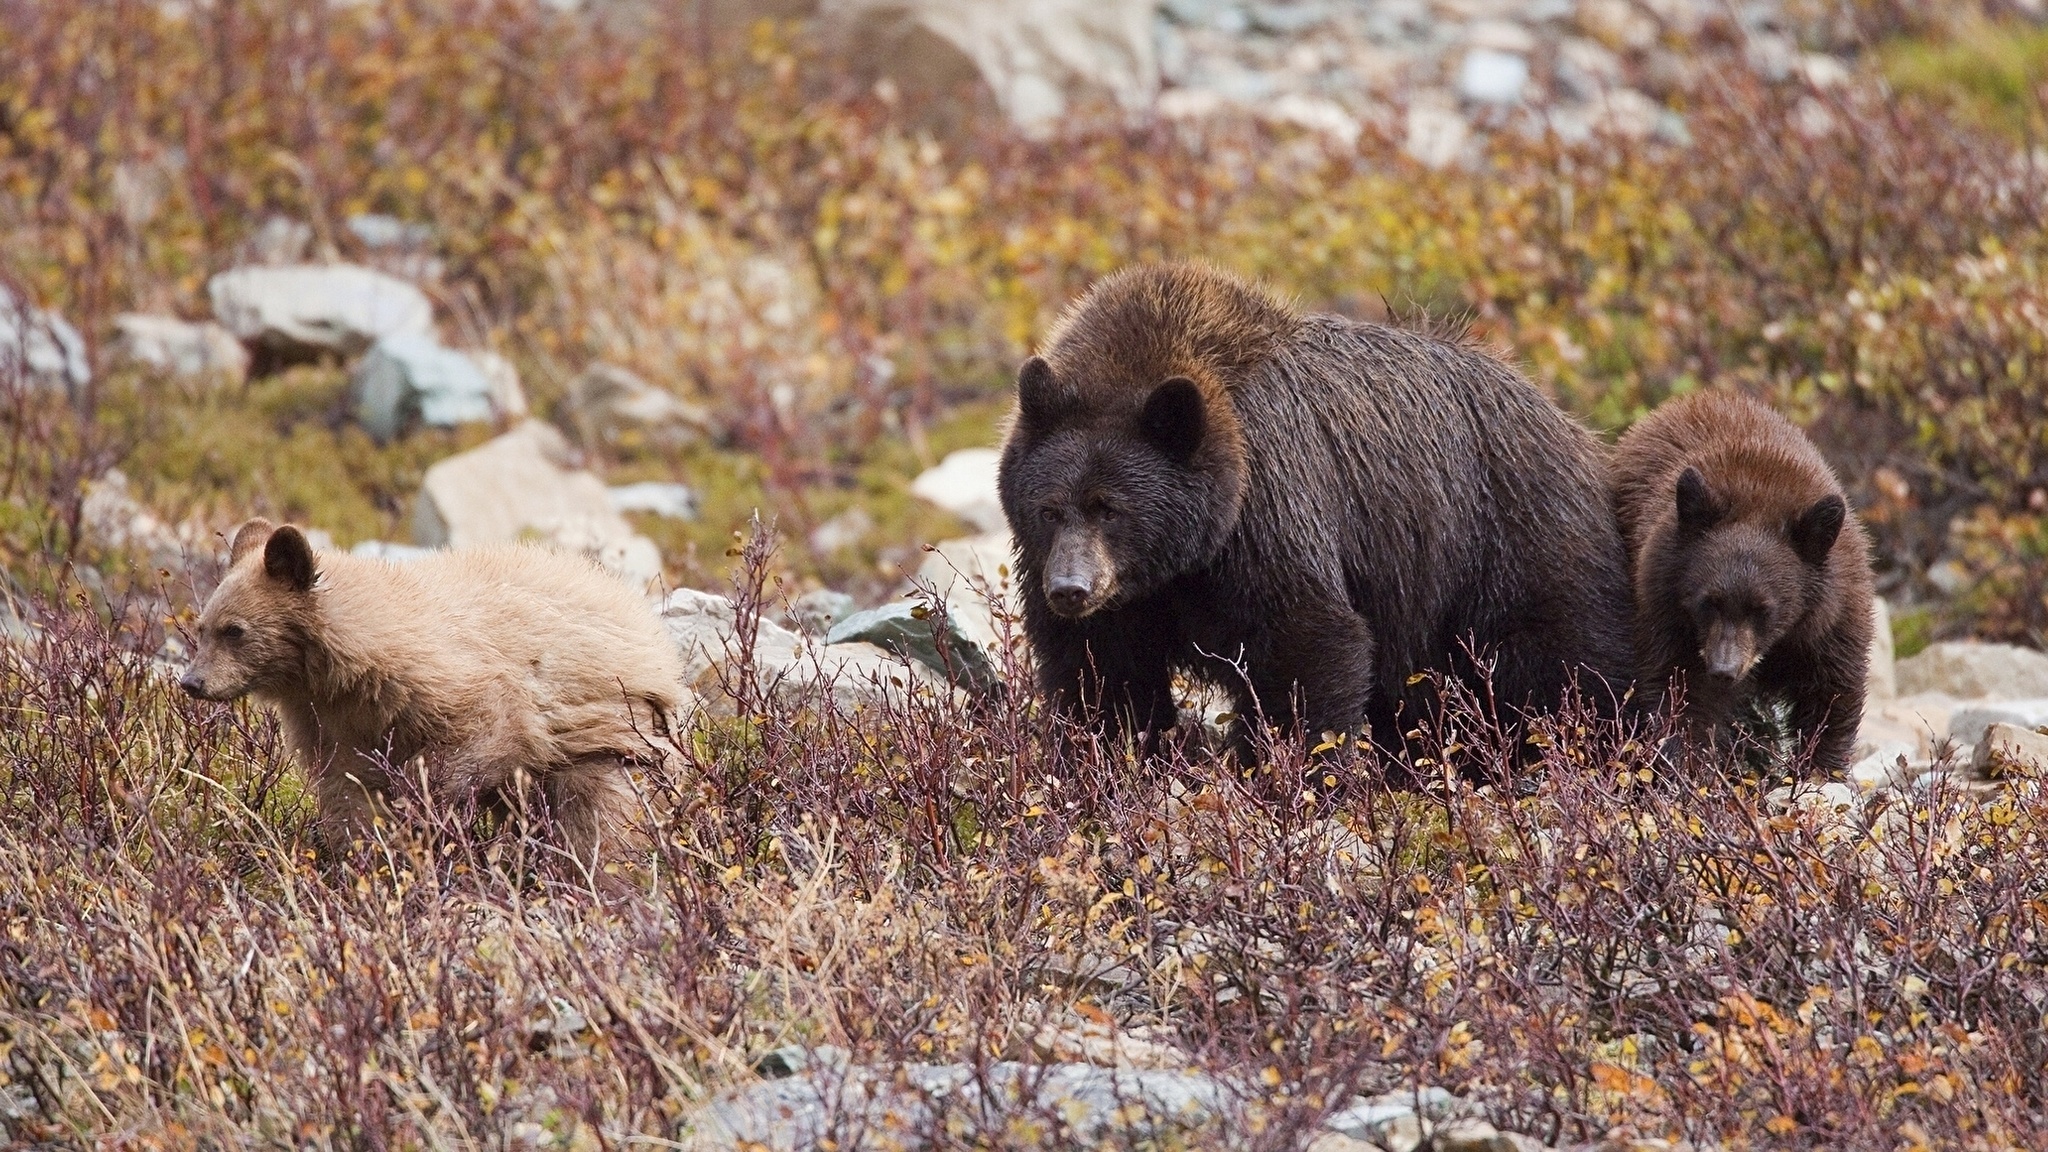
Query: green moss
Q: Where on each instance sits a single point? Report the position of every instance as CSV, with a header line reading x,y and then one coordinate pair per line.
x,y
1912,631
1988,71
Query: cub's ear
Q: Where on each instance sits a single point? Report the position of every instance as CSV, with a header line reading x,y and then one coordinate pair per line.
x,y
288,559
249,537
1814,532
1175,417
1040,396
1697,508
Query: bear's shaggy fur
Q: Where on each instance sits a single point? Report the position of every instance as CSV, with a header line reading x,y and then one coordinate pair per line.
x,y
1752,579
1302,509
503,667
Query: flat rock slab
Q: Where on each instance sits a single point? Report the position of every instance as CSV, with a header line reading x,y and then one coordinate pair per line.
x,y
1968,723
168,346
911,630
1973,670
306,309
784,665
523,486
410,379
41,345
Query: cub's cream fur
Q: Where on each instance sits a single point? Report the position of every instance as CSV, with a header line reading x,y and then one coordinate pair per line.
x,y
507,669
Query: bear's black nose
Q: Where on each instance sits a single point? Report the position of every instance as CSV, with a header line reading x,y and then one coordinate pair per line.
x,y
1067,594
192,684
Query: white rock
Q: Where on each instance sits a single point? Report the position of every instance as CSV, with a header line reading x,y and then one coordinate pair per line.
x,y
1889,765
2008,748
846,530
409,379
508,398
1970,669
1624,112
522,486
964,483
609,404
972,576
1435,136
785,664
1032,53
41,346
1969,722
660,497
1315,114
1491,77
1618,22
306,309
111,518
1882,681
1922,718
1823,71
172,347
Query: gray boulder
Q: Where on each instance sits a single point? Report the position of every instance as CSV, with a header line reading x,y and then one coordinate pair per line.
x,y
1968,724
40,348
608,404
785,665
303,310
524,485
409,379
1490,76
1973,670
168,346
912,631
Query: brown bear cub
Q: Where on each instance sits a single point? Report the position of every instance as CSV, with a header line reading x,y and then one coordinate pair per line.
x,y
502,667
1752,578
1303,510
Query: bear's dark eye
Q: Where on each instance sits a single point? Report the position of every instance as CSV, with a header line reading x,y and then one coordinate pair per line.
x,y
231,631
1049,515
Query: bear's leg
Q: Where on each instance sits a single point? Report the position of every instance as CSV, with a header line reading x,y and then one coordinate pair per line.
x,y
594,808
347,808
1315,668
1827,710
1105,677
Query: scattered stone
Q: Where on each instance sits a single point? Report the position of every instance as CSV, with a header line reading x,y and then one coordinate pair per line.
x,y
1618,23
1491,77
843,531
378,231
110,518
1624,112
1399,1121
40,348
1033,55
524,485
816,611
1969,669
1969,722
964,483
1315,114
611,405
169,346
278,240
903,1107
1822,71
386,550
1501,36
1922,718
705,627
1892,764
1435,136
409,380
912,631
1585,69
1101,1044
508,397
660,497
2008,749
1882,681
302,311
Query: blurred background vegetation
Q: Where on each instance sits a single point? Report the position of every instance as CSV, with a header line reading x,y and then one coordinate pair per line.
x,y
845,282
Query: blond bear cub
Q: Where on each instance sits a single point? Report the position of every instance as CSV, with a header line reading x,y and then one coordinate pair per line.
x,y
504,668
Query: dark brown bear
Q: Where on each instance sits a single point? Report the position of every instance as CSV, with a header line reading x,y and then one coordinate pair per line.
x,y
1752,579
1201,479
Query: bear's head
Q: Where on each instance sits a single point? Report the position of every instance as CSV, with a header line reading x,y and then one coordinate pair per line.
x,y
1745,581
1115,487
253,632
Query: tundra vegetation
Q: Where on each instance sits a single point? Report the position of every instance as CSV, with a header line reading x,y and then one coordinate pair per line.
x,y
1594,946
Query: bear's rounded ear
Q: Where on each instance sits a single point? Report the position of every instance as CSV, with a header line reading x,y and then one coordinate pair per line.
x,y
1176,418
288,559
1039,395
1697,508
249,537
1814,532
